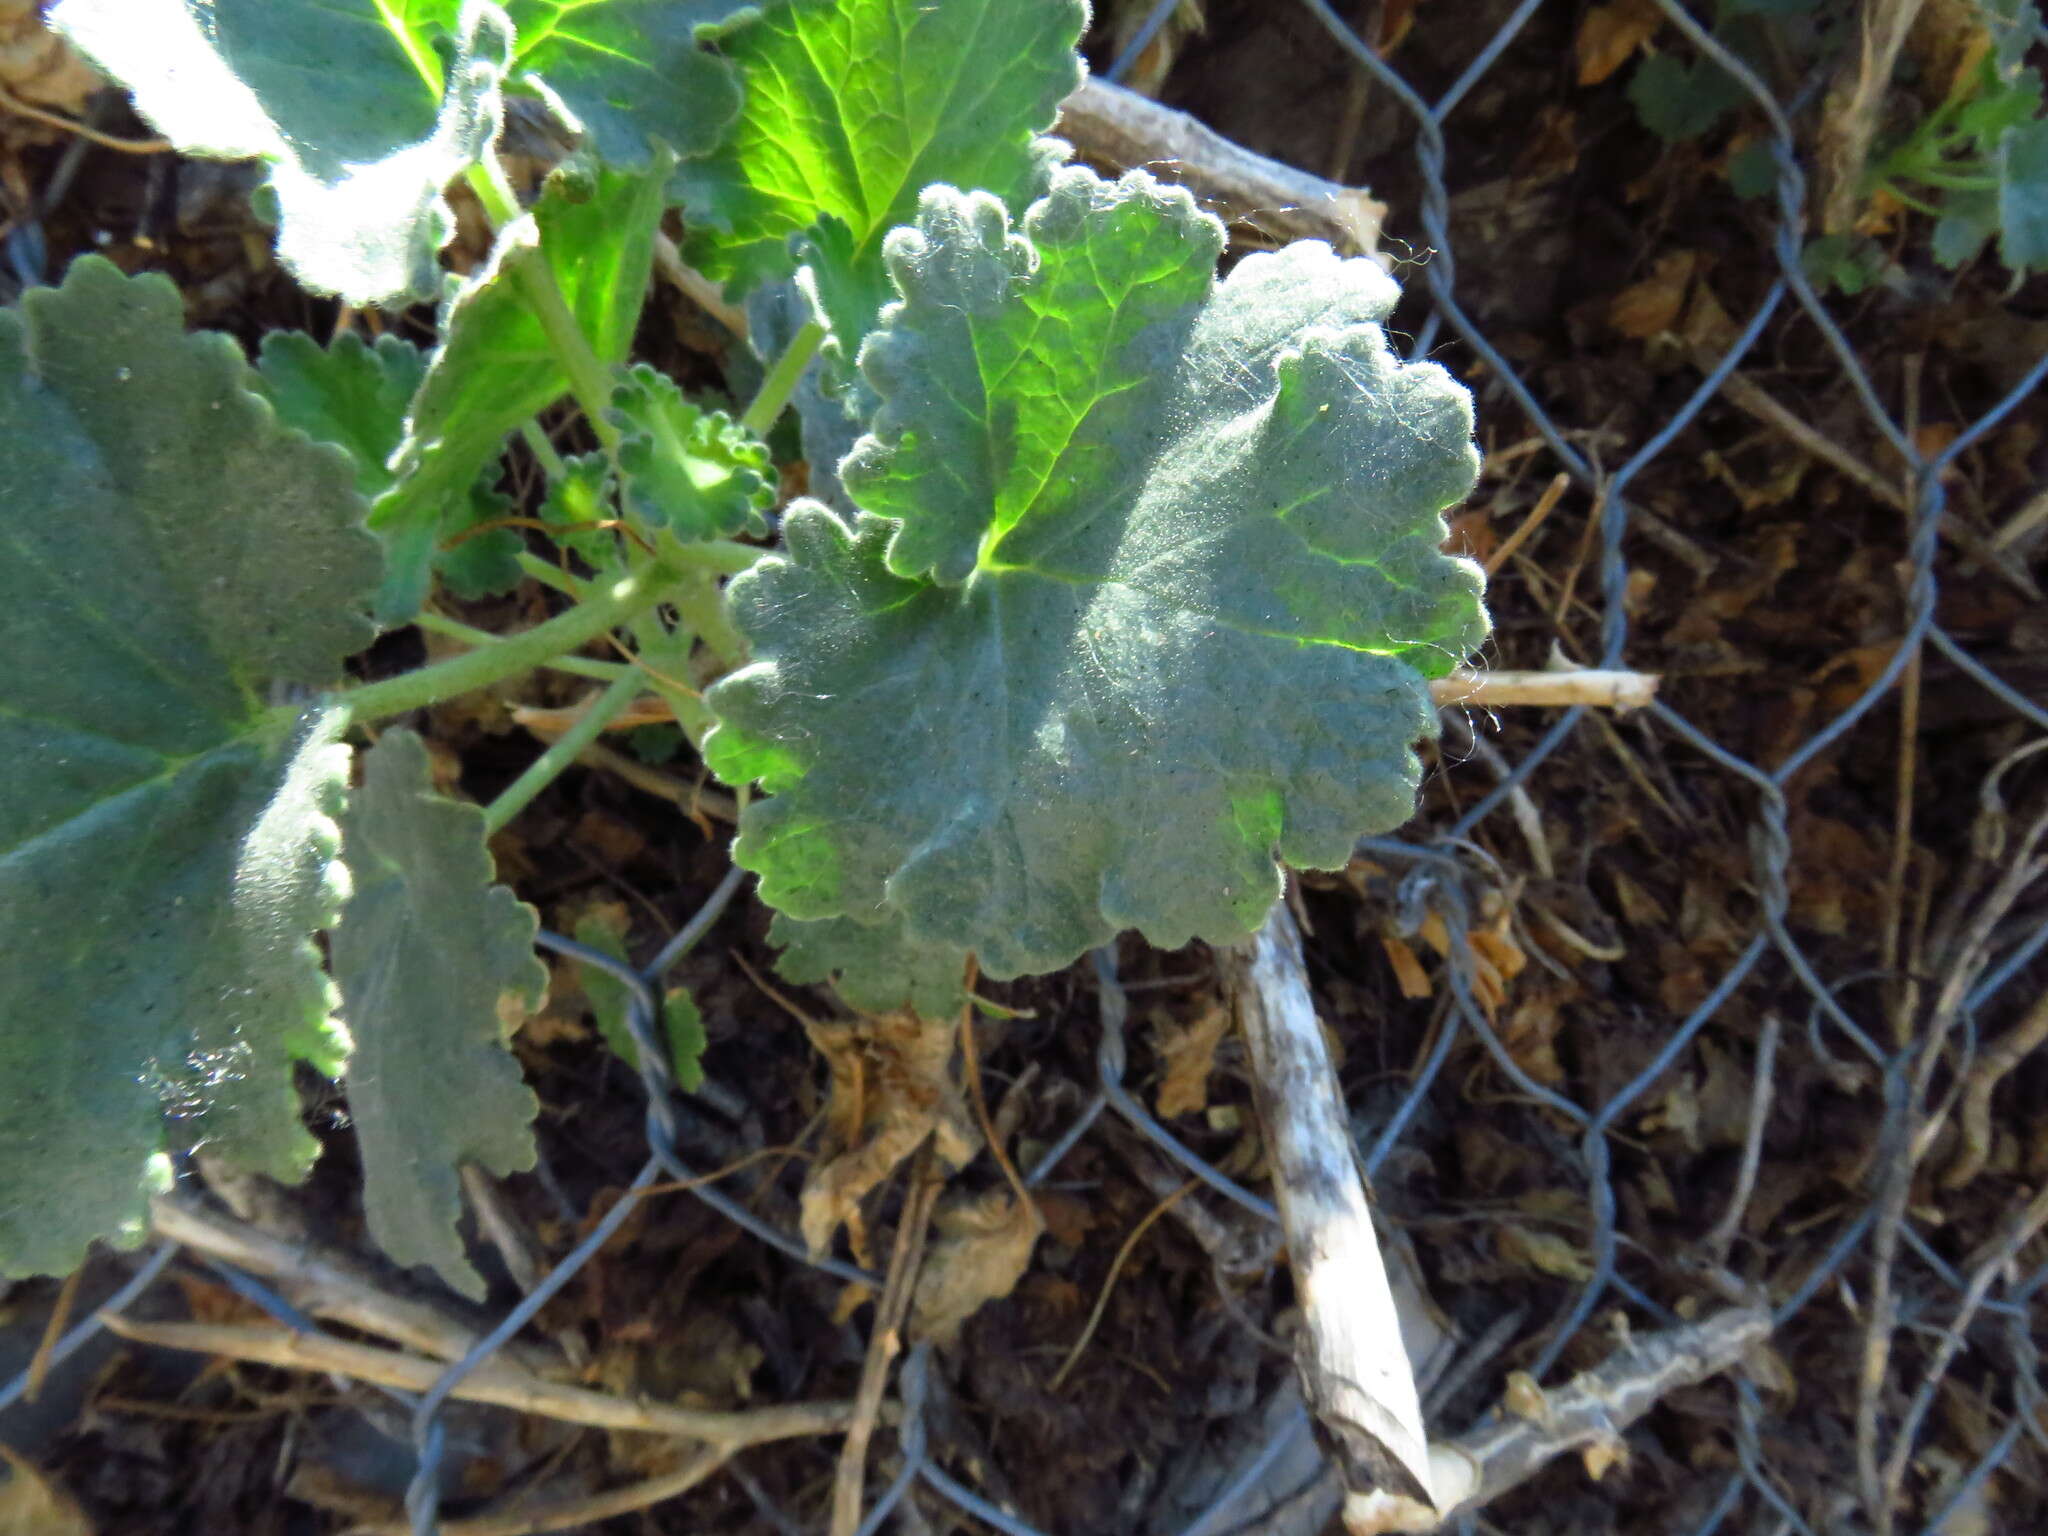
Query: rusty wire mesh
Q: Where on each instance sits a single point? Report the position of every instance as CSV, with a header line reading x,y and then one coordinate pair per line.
x,y
1986,1306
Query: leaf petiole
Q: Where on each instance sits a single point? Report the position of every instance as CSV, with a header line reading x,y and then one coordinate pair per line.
x,y
781,382
511,655
468,634
589,380
566,748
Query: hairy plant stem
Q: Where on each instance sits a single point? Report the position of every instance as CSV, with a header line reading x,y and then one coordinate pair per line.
x,y
469,634
544,451
782,378
548,574
589,380
493,189
697,602
512,654
567,747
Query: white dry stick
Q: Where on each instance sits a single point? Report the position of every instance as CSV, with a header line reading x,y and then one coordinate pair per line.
x,y
1563,687
1117,127
1355,1375
1589,1415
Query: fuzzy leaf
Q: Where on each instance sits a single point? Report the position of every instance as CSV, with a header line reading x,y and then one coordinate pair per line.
x,y
1190,588
357,396
954,93
166,841
697,473
628,72
360,125
578,505
350,393
437,969
364,120
2023,197
877,969
495,368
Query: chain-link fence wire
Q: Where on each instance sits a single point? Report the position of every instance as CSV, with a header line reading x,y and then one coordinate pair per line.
x,y
1440,872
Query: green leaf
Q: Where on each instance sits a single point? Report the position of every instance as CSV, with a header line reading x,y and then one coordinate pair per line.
x,y
2023,197
350,393
1968,220
359,122
357,396
495,368
166,840
878,968
1678,100
437,969
630,71
365,110
609,1000
851,110
1193,590
577,504
485,563
696,473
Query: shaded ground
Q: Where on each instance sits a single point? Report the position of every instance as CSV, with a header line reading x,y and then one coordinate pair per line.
x,y
1764,568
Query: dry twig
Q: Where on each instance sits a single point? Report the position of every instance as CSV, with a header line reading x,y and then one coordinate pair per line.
x,y
1120,128
1586,685
329,1284
885,1342
497,1381
570,1514
1355,1374
1587,1415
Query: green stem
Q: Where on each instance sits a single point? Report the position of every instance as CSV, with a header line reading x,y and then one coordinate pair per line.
x,y
696,601
722,557
576,666
511,655
589,380
1957,181
488,181
546,768
782,378
544,451
550,575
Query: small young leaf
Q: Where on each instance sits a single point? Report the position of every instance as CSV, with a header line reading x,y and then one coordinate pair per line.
x,y
577,507
350,393
696,473
166,840
609,1000
2023,197
1677,100
476,559
357,395
495,369
850,111
878,968
1968,220
361,126
1189,534
437,969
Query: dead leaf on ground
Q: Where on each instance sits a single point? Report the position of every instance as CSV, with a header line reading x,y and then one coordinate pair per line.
x,y
1645,309
32,1505
1188,1053
1409,975
980,1250
892,1086
1610,33
1545,1252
